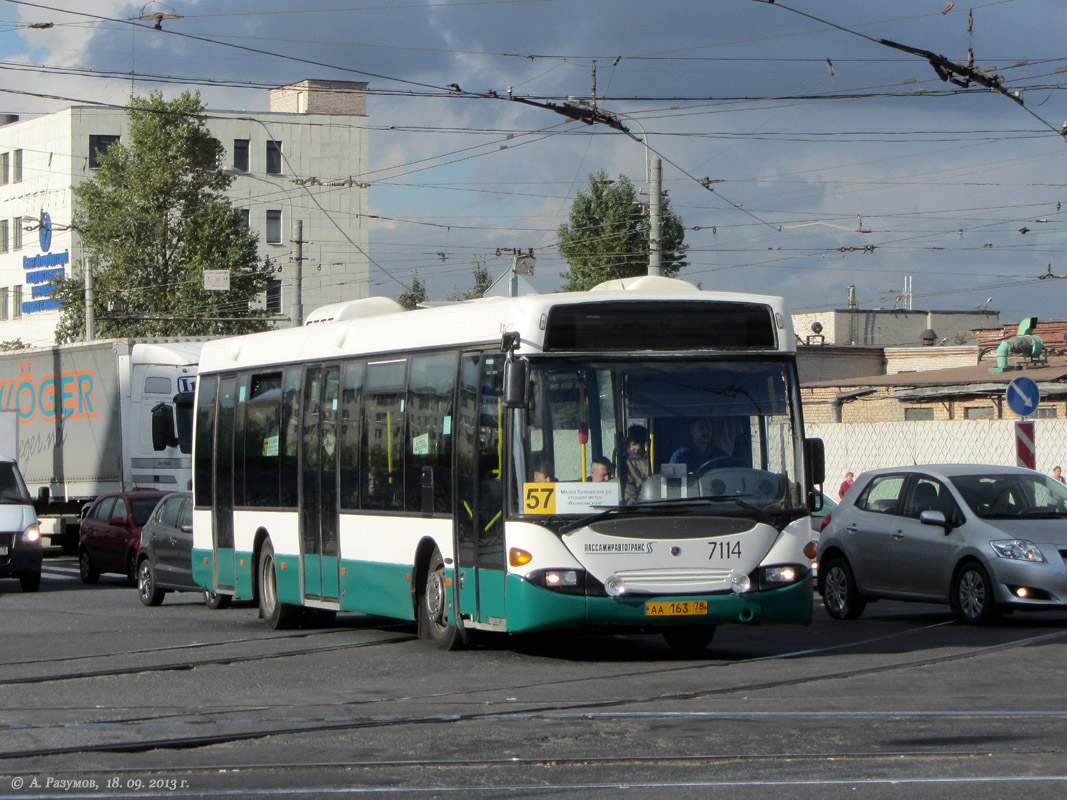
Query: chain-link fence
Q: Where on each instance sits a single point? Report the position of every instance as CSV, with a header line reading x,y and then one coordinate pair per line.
x,y
859,446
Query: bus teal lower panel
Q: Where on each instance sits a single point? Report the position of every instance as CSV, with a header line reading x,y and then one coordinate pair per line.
x,y
287,578
532,608
312,574
203,569
243,573
376,588
226,562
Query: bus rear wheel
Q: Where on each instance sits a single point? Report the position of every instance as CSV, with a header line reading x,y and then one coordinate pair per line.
x,y
277,615
433,607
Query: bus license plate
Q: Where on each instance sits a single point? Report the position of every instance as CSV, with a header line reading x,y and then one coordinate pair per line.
x,y
676,608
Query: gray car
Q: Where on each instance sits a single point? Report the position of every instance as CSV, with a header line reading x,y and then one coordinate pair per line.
x,y
984,539
165,558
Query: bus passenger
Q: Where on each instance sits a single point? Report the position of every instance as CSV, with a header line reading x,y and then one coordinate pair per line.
x,y
636,461
543,472
602,470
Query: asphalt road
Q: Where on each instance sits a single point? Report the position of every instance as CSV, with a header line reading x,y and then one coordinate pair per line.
x,y
102,697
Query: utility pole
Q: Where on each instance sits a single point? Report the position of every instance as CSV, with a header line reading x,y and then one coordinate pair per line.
x,y
90,314
655,188
297,316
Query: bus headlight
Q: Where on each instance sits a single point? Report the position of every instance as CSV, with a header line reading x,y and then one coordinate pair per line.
x,y
615,586
786,573
564,581
740,583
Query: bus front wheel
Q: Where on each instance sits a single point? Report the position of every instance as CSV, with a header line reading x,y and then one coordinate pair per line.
x,y
433,607
276,614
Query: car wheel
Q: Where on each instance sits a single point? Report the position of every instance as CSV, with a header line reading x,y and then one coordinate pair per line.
x,y
31,581
216,601
840,596
131,569
277,615
86,568
147,588
689,639
433,607
972,594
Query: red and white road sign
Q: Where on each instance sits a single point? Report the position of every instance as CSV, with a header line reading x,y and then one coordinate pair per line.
x,y
1024,444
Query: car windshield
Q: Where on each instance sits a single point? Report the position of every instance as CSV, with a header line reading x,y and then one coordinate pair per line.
x,y
12,488
605,434
1013,495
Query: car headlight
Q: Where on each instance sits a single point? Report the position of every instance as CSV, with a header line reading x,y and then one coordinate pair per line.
x,y
1018,550
31,534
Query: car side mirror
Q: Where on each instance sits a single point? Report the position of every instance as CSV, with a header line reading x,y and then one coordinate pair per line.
x,y
936,518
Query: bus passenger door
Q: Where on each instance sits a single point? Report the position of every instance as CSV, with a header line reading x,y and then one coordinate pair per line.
x,y
223,480
479,519
318,482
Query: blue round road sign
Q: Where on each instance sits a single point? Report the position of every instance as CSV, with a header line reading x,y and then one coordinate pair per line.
x,y
1023,396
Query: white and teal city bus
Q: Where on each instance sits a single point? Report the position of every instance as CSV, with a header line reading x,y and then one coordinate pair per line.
x,y
444,465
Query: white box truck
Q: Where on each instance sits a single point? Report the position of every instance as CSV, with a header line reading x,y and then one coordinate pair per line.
x,y
96,417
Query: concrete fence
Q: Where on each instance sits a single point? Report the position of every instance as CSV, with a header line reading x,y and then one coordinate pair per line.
x,y
860,446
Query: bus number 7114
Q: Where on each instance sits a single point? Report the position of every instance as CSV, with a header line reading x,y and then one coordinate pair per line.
x,y
725,550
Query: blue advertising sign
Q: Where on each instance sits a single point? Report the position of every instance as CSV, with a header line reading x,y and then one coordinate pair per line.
x,y
1023,396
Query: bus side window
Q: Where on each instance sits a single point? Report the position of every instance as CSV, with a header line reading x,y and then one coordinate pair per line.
x,y
351,414
428,473
383,435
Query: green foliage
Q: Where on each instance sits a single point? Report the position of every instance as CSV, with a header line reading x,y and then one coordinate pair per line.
x,y
151,221
482,282
413,294
8,345
607,235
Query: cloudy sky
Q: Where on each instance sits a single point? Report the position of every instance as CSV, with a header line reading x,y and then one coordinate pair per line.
x,y
835,160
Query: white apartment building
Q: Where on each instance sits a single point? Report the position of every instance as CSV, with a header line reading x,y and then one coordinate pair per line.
x,y
298,167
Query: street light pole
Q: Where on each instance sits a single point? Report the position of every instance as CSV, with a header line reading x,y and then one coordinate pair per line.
x,y
296,315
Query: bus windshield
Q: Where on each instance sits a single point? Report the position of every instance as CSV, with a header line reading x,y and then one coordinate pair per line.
x,y
609,433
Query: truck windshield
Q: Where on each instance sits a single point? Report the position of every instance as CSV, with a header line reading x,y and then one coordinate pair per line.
x,y
611,433
12,487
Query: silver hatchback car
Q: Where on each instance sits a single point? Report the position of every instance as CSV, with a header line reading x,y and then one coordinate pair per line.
x,y
984,539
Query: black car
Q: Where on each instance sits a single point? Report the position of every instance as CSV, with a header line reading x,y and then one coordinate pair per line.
x,y
165,558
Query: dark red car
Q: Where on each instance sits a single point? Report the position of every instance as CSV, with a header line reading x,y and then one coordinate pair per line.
x,y
111,533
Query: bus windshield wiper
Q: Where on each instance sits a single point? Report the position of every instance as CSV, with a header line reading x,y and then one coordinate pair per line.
x,y
676,504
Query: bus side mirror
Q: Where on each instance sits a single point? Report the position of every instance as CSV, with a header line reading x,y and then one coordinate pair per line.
x,y
163,427
517,383
814,462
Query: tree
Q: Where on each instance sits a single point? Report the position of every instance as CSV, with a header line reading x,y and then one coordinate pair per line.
x,y
413,294
482,282
150,221
607,235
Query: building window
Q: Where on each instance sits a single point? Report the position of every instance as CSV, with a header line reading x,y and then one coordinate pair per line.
x,y
5,160
978,412
16,167
16,302
274,158
243,219
3,302
240,154
98,144
274,296
274,226
918,413
1045,412
16,234
3,235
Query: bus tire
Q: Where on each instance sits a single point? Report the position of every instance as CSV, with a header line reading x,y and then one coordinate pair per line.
x,y
277,615
433,607
689,639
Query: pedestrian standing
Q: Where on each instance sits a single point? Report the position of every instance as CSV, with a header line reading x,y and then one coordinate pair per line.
x,y
846,484
1057,473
